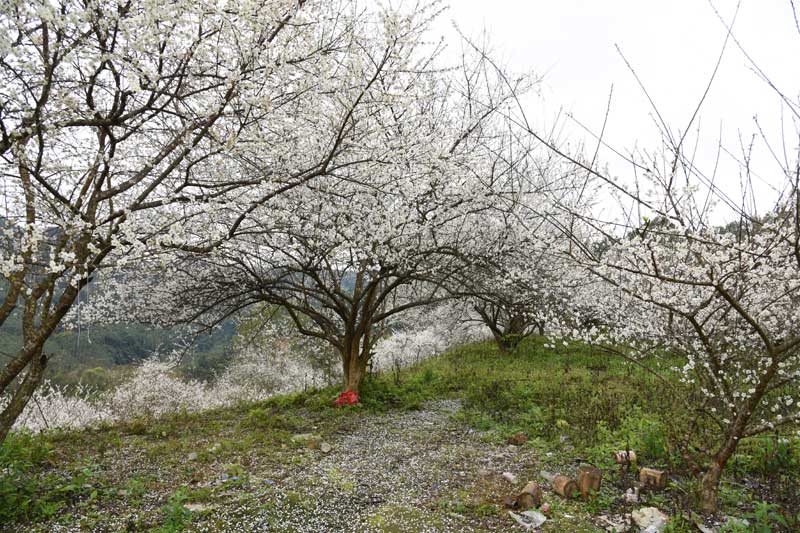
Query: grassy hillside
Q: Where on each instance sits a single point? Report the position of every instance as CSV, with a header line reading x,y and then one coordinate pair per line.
x,y
424,452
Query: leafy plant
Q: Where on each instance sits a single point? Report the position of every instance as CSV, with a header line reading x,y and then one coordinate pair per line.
x,y
766,518
176,516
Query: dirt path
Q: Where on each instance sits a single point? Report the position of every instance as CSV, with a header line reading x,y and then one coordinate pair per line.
x,y
406,471
414,471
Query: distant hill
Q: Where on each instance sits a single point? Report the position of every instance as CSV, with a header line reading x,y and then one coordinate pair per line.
x,y
76,355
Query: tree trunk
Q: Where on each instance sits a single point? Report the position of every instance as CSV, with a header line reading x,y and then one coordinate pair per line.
x,y
503,343
354,374
354,364
710,488
23,394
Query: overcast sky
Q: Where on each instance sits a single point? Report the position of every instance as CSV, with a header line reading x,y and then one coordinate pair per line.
x,y
673,46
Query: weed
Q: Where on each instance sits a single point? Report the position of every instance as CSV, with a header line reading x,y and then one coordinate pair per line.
x,y
766,518
134,491
176,516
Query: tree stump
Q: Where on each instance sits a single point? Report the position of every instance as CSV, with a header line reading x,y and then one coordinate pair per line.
x,y
564,486
652,478
589,479
531,496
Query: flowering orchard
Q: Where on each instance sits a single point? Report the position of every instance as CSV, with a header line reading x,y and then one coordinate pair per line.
x,y
322,167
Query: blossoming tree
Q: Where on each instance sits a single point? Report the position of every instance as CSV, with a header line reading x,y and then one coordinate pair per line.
x,y
386,231
128,126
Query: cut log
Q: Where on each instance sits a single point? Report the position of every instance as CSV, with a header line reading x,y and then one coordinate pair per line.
x,y
531,496
651,478
625,457
564,486
589,479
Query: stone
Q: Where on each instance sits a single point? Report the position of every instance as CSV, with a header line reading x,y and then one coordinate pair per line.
x,y
737,522
197,507
536,518
650,520
302,437
192,456
631,496
325,447
706,529
528,519
508,476
614,525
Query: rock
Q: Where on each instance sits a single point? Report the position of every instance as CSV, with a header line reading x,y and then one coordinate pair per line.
x,y
650,519
528,519
197,507
536,518
192,456
508,476
302,437
549,476
325,447
706,529
616,525
737,522
631,496
518,439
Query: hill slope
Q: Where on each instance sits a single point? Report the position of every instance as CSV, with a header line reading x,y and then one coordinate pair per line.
x,y
424,452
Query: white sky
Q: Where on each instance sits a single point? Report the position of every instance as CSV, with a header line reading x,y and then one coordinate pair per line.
x,y
672,44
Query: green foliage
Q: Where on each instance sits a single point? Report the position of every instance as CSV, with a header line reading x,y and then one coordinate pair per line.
x,y
134,491
766,518
768,455
678,523
30,493
572,404
176,516
19,487
520,392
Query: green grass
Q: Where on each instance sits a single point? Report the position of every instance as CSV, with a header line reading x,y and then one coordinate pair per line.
x,y
573,404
